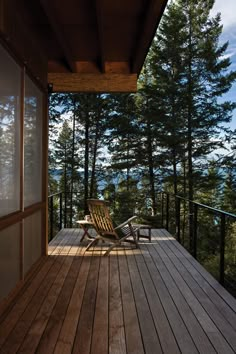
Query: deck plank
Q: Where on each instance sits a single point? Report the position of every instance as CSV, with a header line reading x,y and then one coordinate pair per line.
x,y
100,327
133,336
150,338
222,292
183,338
166,336
117,342
156,299
49,338
83,335
67,335
205,310
201,324
194,328
205,280
45,313
16,321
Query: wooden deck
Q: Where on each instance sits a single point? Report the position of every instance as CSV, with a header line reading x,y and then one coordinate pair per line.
x,y
156,299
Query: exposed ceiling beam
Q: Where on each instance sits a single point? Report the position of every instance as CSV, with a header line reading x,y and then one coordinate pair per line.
x,y
56,27
100,34
148,29
72,82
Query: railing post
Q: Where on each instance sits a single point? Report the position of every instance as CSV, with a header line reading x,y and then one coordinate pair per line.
x,y
177,211
65,209
222,249
60,211
162,210
71,209
167,211
190,226
195,231
51,217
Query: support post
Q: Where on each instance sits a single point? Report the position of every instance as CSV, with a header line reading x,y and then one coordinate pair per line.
x,y
162,210
190,226
60,211
71,196
222,249
167,211
51,218
177,211
195,230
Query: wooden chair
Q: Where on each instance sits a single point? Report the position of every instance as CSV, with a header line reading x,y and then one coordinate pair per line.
x,y
106,231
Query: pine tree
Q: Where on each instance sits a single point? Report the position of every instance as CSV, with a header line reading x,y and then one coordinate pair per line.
x,y
191,72
123,141
62,155
92,113
148,154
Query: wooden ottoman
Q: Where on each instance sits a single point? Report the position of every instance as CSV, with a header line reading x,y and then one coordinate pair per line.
x,y
143,227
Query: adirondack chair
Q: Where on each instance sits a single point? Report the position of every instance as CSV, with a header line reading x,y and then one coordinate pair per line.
x,y
106,231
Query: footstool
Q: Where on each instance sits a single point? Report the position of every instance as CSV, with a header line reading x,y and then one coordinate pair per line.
x,y
143,227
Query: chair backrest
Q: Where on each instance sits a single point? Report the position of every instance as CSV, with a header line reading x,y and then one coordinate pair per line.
x,y
101,217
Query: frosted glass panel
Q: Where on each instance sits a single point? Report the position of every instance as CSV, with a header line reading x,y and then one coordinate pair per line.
x,y
32,240
32,144
9,259
10,76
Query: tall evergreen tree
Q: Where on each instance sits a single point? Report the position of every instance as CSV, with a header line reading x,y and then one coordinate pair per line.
x,y
62,155
191,73
123,137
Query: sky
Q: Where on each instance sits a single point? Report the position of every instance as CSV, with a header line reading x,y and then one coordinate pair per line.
x,y
227,8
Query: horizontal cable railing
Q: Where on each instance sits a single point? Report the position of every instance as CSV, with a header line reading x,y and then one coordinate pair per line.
x,y
66,208
208,233
54,214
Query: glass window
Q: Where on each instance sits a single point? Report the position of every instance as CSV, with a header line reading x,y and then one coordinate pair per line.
x,y
9,259
32,240
10,87
32,143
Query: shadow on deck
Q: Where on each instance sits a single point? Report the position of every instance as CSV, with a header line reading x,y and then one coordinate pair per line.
x,y
156,299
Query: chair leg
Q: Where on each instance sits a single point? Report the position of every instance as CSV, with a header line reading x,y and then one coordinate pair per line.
x,y
111,247
93,243
119,242
136,238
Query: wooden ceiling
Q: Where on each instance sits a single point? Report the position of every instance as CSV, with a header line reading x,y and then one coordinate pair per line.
x,y
94,45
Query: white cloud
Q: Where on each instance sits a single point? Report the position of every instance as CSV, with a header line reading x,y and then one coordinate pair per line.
x,y
228,12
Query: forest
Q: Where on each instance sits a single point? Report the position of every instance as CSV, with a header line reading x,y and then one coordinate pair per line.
x,y
172,136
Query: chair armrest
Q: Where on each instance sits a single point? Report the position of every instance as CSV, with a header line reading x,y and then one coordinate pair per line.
x,y
127,222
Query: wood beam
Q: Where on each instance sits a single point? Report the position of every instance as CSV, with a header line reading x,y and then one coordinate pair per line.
x,y
91,67
72,82
148,29
100,34
52,18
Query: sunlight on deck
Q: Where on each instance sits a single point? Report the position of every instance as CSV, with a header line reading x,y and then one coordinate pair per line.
x,y
154,299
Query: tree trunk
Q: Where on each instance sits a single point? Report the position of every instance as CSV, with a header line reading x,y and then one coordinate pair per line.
x,y
93,172
151,168
184,202
175,189
86,163
72,163
189,136
190,182
65,189
128,167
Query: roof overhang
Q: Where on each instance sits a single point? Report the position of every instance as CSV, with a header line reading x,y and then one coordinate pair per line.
x,y
92,45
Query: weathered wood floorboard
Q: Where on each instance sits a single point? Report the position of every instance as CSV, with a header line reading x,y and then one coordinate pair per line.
x,y
156,299
196,318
